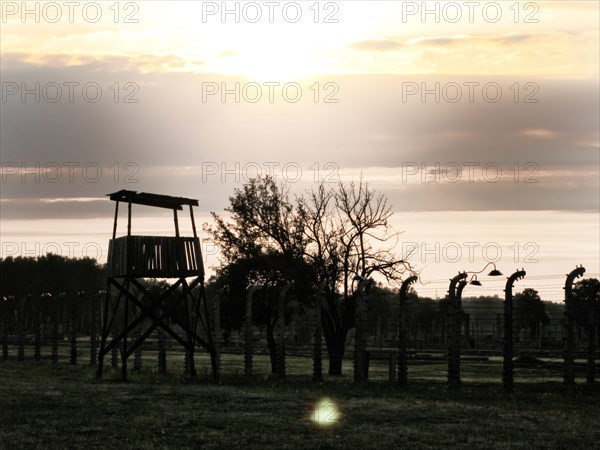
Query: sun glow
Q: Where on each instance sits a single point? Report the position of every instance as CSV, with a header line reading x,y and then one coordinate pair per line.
x,y
277,61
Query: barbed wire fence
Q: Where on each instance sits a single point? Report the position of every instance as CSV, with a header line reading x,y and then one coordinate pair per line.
x,y
65,329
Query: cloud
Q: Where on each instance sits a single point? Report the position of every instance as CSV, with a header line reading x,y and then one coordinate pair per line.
x,y
558,53
408,187
438,42
378,45
385,44
539,133
142,63
71,200
514,38
468,40
229,53
171,132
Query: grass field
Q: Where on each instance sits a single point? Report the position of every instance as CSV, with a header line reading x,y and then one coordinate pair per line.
x,y
63,406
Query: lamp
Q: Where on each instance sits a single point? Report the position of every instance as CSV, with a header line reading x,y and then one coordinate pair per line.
x,y
495,272
474,281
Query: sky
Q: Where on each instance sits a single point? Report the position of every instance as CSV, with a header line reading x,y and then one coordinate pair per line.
x,y
478,120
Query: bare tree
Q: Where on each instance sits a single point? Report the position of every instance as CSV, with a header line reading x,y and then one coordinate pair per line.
x,y
348,234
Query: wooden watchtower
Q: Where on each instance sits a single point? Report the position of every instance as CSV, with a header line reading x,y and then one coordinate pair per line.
x,y
132,258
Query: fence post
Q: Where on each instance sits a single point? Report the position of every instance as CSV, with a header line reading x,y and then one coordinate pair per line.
x,y
569,339
281,331
591,361
73,307
444,328
403,331
187,362
137,359
507,363
454,331
55,302
392,367
93,329
114,357
499,326
217,331
5,308
360,347
248,345
20,316
593,325
467,326
37,328
162,354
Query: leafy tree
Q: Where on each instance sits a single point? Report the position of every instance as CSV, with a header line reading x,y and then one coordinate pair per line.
x,y
260,245
530,311
422,312
268,271
586,296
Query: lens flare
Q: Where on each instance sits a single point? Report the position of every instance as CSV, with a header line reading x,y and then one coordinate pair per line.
x,y
326,413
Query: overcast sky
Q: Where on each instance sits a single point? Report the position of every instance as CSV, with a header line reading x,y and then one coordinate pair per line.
x,y
508,120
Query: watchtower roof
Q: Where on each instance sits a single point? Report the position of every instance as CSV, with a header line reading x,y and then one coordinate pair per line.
x,y
156,200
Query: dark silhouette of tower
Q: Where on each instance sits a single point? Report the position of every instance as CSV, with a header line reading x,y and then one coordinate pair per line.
x,y
178,309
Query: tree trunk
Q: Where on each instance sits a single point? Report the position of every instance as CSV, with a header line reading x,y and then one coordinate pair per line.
x,y
336,347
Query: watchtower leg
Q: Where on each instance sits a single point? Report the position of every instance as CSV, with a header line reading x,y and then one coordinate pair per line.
x,y
124,354
190,334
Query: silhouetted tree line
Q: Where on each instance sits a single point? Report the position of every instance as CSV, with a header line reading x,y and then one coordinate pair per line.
x,y
53,274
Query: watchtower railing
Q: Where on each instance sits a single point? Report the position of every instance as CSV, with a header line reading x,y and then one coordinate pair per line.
x,y
154,257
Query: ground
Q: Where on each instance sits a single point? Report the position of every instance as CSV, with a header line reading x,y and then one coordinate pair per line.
x,y
63,406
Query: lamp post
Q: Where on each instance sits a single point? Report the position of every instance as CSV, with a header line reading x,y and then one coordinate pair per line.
x,y
457,284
